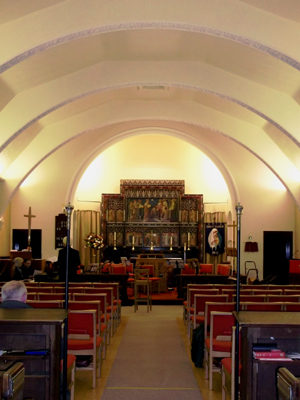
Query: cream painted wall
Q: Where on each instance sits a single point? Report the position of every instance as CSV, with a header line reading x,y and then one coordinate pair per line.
x,y
152,157
267,206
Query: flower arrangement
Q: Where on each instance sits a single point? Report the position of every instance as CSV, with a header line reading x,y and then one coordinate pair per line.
x,y
94,241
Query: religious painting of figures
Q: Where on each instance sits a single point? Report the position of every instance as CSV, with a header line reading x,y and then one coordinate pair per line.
x,y
134,238
170,239
215,238
152,210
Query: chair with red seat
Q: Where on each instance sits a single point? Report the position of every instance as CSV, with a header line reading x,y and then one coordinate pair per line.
x,y
198,315
106,319
294,298
228,370
71,367
211,306
50,296
117,269
218,344
258,306
153,279
291,307
189,304
141,280
83,338
111,308
186,270
206,269
46,303
117,302
92,305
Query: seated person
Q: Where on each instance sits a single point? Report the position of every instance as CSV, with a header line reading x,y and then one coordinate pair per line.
x,y
27,269
9,271
14,295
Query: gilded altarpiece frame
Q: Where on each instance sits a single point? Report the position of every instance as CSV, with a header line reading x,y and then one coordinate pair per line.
x,y
153,214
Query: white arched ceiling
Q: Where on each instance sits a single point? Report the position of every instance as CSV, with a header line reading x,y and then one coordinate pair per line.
x,y
201,68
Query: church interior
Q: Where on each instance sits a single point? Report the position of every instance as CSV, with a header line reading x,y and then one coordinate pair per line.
x,y
102,100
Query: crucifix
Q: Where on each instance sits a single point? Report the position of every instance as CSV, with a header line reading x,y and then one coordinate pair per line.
x,y
29,216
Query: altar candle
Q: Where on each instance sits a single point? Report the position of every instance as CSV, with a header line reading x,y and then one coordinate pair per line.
x,y
171,240
115,236
189,237
132,239
184,247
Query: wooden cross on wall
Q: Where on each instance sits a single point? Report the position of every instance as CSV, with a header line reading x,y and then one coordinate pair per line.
x,y
29,216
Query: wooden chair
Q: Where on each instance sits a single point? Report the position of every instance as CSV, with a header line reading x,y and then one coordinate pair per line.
x,y
153,279
290,292
258,292
199,308
223,269
251,298
211,306
141,280
32,296
50,296
117,269
117,302
218,345
83,338
228,371
106,319
71,368
258,306
186,270
284,298
189,304
230,292
206,269
92,305
111,308
37,289
46,303
291,307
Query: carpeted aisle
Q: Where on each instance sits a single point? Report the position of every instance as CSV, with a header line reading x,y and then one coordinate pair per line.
x,y
152,362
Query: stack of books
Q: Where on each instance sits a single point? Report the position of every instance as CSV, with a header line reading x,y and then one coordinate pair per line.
x,y
270,355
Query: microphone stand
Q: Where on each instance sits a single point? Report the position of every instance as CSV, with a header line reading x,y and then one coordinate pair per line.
x,y
239,209
68,209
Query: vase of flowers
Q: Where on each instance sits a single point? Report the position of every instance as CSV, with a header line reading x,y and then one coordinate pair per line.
x,y
94,242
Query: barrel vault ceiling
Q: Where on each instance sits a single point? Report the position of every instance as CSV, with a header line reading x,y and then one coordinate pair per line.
x,y
212,71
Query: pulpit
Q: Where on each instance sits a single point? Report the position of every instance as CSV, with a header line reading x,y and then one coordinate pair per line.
x,y
25,254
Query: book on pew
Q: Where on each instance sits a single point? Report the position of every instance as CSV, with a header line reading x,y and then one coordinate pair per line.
x,y
275,353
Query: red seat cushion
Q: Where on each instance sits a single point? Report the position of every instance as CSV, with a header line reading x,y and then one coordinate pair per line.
x,y
219,345
78,344
226,362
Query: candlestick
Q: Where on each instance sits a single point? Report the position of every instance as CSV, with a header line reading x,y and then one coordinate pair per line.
x,y
132,239
184,247
171,240
115,235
